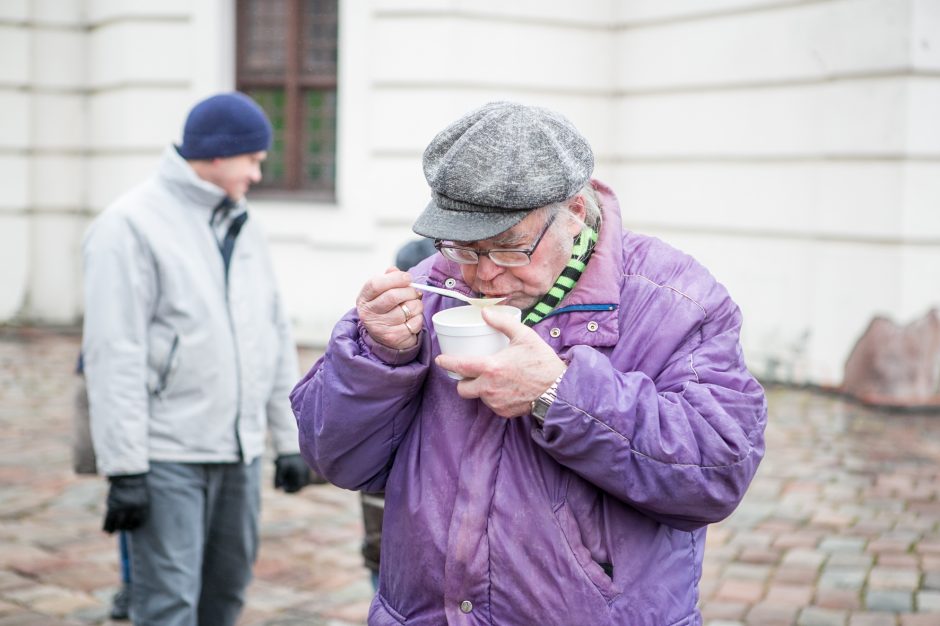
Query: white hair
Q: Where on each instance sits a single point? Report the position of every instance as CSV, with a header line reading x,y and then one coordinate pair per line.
x,y
592,207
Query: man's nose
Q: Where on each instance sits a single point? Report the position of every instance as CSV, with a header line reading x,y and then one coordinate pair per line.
x,y
486,269
256,174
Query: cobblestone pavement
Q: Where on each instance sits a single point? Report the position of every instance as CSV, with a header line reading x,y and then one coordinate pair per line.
x,y
841,526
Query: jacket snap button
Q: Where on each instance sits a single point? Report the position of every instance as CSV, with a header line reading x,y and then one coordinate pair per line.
x,y
555,332
592,326
450,282
466,606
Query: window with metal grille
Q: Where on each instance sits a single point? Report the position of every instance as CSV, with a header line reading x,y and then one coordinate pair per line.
x,y
286,61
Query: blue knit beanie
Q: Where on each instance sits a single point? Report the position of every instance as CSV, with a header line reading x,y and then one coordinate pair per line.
x,y
225,125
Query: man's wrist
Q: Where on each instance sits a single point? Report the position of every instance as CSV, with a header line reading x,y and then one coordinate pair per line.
x,y
387,354
542,403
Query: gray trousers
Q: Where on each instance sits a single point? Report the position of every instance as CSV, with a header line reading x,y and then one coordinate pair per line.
x,y
191,560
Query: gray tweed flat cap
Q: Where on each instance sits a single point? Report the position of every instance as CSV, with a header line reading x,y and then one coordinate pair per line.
x,y
493,166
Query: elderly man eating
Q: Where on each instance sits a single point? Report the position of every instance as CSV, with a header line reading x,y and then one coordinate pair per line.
x,y
569,478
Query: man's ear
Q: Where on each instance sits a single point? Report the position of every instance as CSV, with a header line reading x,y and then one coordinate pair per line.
x,y
577,209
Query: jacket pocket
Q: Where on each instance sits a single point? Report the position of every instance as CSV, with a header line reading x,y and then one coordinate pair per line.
x,y
381,613
592,570
162,372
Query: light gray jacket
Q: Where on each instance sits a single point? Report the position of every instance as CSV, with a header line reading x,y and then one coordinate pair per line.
x,y
180,365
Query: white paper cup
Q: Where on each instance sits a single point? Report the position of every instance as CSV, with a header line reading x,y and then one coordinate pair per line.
x,y
461,331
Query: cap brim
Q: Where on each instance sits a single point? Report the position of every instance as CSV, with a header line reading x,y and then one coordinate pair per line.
x,y
438,223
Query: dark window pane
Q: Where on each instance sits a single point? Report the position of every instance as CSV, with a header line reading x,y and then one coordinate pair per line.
x,y
272,101
319,139
264,25
318,38
287,62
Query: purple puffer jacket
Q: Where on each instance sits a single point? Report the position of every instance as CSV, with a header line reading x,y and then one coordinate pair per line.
x,y
596,518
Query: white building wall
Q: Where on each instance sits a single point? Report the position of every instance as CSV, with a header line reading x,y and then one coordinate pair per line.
x,y
793,146
55,184
15,41
789,147
139,87
40,141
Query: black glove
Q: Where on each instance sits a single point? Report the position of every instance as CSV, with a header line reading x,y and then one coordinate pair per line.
x,y
291,473
128,502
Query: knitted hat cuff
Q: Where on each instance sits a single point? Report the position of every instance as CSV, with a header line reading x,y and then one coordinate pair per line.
x,y
218,146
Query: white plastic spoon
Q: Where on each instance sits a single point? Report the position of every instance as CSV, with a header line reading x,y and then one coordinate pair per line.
x,y
459,296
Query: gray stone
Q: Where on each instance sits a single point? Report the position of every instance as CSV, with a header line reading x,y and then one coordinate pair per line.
x,y
932,580
888,600
928,601
850,560
850,578
815,616
842,544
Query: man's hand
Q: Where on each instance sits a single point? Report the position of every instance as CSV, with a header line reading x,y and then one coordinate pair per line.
x,y
291,473
511,379
391,310
128,502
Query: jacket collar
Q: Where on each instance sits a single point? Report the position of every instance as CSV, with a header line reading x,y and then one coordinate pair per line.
x,y
588,314
178,175
590,311
601,281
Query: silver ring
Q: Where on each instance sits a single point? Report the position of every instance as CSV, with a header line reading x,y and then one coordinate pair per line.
x,y
405,310
408,326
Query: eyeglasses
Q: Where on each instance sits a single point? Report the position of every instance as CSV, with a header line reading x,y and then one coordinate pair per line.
x,y
501,257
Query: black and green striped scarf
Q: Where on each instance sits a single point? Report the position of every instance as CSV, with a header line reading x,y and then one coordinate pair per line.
x,y
580,253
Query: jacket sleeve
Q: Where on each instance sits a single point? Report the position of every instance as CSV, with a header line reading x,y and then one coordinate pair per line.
x,y
280,418
355,405
120,292
682,447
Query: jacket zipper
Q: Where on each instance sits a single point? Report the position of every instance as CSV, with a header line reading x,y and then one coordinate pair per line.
x,y
165,373
238,361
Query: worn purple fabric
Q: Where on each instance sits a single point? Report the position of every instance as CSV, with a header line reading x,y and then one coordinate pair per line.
x,y
597,518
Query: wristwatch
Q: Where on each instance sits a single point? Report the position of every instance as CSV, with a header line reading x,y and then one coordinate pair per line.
x,y
541,404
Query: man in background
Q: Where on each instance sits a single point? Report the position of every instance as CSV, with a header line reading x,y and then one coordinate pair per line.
x,y
189,359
